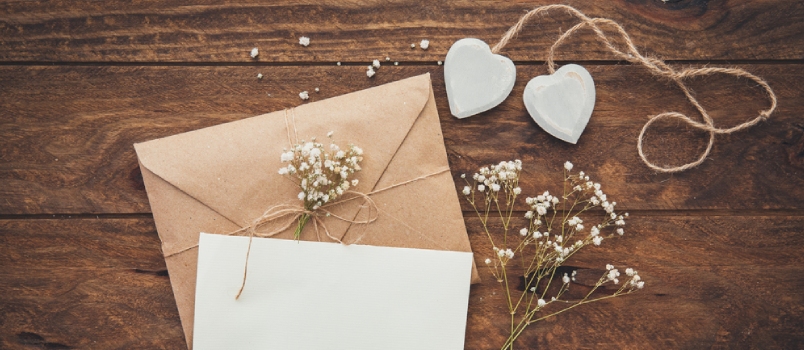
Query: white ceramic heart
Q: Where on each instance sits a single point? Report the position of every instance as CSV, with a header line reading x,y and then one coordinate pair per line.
x,y
562,103
476,79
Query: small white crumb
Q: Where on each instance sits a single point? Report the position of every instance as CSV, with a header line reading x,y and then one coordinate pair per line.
x,y
376,63
255,52
370,72
412,46
387,58
440,63
317,90
338,64
396,63
424,44
304,41
259,75
303,95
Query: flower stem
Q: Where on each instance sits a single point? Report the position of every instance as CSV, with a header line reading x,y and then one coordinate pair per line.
x,y
302,221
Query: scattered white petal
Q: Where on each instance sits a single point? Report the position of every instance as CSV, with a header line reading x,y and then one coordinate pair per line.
x,y
387,58
255,52
259,75
424,44
317,90
304,41
396,63
440,63
412,46
370,72
568,165
376,63
337,63
304,95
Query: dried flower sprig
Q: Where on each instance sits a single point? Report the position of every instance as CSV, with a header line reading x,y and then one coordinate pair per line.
x,y
553,234
322,174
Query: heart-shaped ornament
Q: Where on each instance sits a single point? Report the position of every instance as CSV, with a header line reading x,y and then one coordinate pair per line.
x,y
476,79
561,103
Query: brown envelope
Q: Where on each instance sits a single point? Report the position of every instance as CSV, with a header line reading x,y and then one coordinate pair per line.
x,y
220,178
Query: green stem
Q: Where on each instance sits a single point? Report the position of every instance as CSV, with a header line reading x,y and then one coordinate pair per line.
x,y
302,221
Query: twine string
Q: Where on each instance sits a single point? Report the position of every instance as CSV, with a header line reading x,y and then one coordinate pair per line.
x,y
656,67
295,212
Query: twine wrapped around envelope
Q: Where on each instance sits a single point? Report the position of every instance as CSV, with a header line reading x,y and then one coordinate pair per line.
x,y
294,212
656,67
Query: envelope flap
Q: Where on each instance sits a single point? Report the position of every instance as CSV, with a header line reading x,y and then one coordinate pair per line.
x,y
232,168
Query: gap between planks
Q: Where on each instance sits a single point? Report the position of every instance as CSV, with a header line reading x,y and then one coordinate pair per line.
x,y
466,214
386,63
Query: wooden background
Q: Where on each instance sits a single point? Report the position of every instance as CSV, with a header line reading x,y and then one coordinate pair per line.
x,y
720,246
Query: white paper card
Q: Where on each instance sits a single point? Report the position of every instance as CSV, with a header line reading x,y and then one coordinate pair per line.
x,y
315,295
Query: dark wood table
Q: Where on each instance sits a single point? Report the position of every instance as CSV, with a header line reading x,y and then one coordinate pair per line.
x,y
720,246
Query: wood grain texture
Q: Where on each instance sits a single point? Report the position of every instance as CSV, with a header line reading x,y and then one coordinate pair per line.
x,y
67,132
720,246
712,282
87,283
359,31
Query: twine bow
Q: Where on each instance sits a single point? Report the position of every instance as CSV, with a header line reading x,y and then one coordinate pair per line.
x,y
656,67
295,212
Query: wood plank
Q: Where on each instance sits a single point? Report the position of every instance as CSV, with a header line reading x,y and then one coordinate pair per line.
x,y
712,281
168,31
85,283
67,132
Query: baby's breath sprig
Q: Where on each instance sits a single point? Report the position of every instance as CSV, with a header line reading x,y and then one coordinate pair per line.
x,y
322,174
553,234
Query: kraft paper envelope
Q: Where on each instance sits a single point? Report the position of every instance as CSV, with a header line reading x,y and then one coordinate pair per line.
x,y
317,295
219,179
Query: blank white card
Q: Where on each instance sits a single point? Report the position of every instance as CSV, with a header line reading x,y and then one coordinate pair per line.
x,y
316,295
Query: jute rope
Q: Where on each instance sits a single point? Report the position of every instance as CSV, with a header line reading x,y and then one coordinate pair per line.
x,y
656,67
